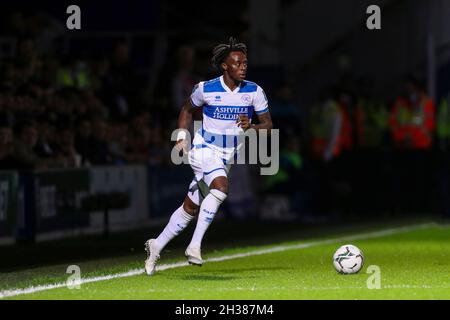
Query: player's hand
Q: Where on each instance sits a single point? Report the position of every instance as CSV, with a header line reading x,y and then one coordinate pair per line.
x,y
181,145
243,121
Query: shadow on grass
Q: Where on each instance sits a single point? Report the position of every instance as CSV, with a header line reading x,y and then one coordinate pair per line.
x,y
249,269
203,277
224,274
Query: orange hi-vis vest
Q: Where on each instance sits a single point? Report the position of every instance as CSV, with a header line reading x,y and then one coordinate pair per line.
x,y
413,123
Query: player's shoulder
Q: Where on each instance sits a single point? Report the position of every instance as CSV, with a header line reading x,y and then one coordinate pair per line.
x,y
249,87
213,85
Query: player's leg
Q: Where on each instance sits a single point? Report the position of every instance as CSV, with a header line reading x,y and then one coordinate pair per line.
x,y
177,223
209,206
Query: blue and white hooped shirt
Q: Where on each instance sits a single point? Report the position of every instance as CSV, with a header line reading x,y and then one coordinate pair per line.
x,y
221,108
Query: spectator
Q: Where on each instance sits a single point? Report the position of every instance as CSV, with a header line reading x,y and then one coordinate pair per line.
x,y
412,121
66,148
184,80
73,73
121,86
24,154
326,123
412,118
27,137
45,146
291,178
284,110
83,138
27,59
371,131
7,160
118,142
98,152
139,139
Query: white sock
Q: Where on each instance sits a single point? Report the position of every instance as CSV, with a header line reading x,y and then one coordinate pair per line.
x,y
178,221
208,210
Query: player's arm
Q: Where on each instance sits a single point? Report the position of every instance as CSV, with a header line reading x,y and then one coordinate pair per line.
x,y
184,121
262,111
265,122
185,117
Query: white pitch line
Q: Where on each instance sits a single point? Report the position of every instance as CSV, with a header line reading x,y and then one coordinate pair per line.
x,y
135,272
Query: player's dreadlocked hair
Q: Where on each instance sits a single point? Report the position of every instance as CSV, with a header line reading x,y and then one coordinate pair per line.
x,y
222,50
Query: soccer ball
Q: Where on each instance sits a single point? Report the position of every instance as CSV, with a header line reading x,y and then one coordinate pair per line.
x,y
348,259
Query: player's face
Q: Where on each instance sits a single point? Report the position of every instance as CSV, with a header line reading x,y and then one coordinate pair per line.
x,y
236,65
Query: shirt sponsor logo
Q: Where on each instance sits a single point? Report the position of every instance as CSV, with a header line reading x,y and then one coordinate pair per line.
x,y
227,113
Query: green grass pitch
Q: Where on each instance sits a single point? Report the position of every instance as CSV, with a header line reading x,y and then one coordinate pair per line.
x,y
414,264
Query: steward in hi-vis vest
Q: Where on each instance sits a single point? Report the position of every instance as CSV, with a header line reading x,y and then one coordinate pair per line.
x,y
412,122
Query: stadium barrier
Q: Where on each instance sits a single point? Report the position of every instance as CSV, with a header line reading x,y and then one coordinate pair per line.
x,y
167,189
54,204
128,180
57,203
105,202
9,182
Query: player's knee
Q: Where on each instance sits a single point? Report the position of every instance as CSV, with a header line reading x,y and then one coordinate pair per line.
x,y
223,188
191,211
219,194
190,207
220,184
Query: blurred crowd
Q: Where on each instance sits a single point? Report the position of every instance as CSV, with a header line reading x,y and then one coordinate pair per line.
x,y
63,111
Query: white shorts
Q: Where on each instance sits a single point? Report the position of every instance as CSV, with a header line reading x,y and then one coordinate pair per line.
x,y
207,165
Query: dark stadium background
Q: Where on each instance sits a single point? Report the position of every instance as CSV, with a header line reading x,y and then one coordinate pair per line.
x,y
86,117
